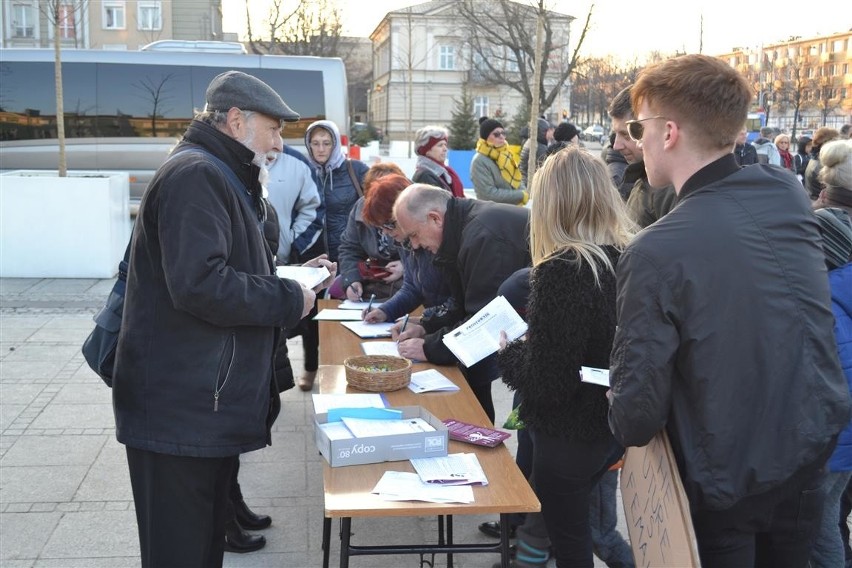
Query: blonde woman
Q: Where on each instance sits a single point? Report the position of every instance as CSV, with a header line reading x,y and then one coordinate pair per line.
x,y
578,228
782,142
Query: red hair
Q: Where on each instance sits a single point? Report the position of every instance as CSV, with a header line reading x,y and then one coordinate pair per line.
x,y
378,171
378,203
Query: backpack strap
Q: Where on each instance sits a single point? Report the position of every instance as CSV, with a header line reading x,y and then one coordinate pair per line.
x,y
357,184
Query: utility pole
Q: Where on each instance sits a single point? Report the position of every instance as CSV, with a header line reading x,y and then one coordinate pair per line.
x,y
535,108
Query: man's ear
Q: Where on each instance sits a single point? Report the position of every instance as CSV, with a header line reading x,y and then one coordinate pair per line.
x,y
436,217
235,121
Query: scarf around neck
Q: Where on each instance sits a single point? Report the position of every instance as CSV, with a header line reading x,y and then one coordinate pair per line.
x,y
504,160
445,173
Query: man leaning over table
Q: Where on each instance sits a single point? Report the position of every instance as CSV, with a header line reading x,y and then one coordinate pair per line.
x,y
194,384
477,245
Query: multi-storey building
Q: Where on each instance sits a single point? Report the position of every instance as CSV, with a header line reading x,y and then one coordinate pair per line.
x,y
422,58
108,24
806,82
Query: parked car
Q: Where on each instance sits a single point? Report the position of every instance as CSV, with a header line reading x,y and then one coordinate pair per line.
x,y
593,133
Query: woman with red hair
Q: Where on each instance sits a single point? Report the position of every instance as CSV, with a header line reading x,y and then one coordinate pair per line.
x,y
422,283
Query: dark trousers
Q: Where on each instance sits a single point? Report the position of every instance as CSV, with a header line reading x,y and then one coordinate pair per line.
x,y
182,506
565,472
771,530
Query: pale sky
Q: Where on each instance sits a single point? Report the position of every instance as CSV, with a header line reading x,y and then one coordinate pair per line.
x,y
625,28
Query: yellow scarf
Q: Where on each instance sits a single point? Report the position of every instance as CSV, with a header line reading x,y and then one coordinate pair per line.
x,y
504,159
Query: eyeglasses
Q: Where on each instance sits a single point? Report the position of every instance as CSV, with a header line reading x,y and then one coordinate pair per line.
x,y
499,134
635,128
321,144
390,225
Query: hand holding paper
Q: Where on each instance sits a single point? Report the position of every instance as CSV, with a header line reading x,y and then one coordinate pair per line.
x,y
479,337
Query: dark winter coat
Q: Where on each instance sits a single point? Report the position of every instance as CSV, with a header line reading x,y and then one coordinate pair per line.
x,y
571,324
359,242
335,186
725,336
483,244
194,365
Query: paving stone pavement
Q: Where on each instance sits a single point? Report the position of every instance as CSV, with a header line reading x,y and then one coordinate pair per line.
x,y
65,498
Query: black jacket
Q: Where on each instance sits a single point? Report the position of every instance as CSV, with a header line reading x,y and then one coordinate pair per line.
x,y
194,371
725,336
745,154
483,244
571,324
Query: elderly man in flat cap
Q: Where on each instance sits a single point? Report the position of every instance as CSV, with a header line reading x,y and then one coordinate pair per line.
x,y
194,384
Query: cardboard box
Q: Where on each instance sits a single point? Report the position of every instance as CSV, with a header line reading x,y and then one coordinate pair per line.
x,y
377,449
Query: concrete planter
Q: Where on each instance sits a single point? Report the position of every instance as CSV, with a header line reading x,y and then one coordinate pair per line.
x,y
72,227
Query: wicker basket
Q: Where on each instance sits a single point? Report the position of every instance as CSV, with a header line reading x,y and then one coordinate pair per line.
x,y
396,378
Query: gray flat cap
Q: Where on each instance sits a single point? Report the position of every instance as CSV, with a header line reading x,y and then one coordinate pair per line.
x,y
241,90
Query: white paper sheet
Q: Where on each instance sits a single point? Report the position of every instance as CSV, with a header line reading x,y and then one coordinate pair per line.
x,y
324,402
350,305
329,314
368,330
309,276
430,380
381,348
453,469
336,431
595,376
479,336
405,486
364,428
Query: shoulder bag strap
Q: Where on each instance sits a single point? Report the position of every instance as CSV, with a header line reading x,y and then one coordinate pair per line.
x,y
355,182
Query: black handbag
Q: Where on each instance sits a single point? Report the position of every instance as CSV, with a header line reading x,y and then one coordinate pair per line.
x,y
99,347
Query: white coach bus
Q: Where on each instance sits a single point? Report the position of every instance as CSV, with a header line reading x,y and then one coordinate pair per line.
x,y
124,110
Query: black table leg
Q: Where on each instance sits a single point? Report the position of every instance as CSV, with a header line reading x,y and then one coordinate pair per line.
x,y
326,540
504,540
345,533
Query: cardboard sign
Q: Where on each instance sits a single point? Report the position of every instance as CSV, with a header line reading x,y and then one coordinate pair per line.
x,y
656,508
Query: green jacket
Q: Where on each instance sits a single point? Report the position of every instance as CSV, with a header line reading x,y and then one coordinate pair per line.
x,y
489,184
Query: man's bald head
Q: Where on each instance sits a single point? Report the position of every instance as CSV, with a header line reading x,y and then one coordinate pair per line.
x,y
419,212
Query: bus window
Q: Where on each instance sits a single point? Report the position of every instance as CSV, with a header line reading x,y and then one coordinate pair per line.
x,y
301,89
143,100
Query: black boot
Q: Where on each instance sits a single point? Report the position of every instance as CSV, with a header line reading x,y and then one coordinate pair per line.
x,y
238,540
248,519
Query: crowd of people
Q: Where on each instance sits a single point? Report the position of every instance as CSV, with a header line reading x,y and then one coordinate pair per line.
x,y
713,284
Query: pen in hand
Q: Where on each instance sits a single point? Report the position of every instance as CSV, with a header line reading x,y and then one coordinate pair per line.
x,y
370,304
404,323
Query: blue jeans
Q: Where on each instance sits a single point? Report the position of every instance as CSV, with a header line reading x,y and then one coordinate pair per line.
x,y
828,548
608,543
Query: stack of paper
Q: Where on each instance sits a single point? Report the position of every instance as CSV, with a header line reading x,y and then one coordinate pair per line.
x,y
430,380
454,469
404,486
365,427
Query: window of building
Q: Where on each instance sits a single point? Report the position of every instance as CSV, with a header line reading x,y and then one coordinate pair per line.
x,y
67,21
149,16
113,15
480,106
23,20
447,58
838,46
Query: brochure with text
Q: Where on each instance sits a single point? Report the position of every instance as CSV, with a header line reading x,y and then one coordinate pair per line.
x,y
479,336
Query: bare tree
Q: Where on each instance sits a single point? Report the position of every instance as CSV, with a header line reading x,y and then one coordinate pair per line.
x,y
156,92
502,34
310,28
792,87
61,14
